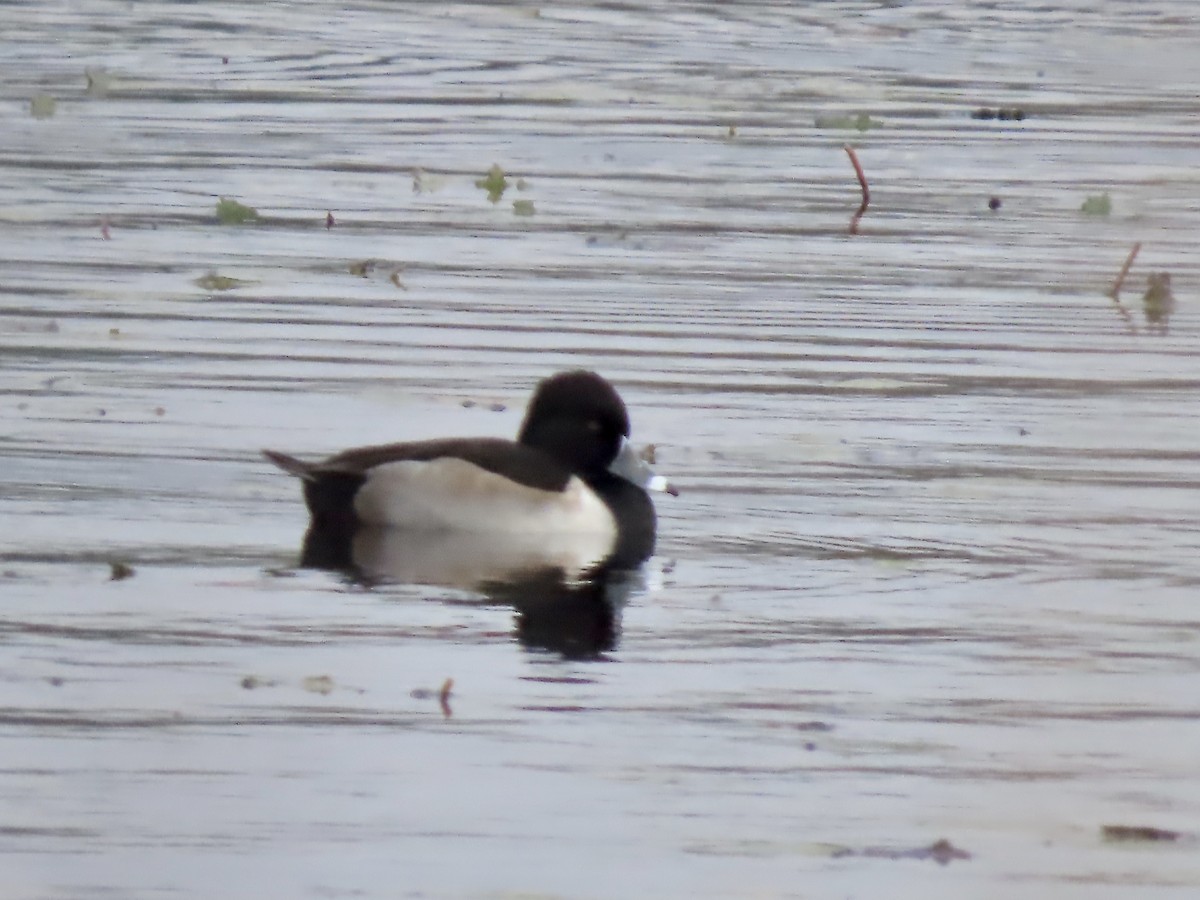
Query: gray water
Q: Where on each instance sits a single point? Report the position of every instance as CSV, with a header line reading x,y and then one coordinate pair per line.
x,y
933,570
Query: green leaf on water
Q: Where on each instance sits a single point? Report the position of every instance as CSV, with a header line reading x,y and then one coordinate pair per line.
x,y
42,106
230,212
495,183
523,207
1099,205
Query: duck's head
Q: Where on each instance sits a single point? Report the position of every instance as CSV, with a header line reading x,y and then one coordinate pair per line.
x,y
577,418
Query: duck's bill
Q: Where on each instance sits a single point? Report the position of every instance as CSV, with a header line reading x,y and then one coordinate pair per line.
x,y
630,466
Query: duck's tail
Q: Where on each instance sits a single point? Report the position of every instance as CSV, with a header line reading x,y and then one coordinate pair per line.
x,y
290,464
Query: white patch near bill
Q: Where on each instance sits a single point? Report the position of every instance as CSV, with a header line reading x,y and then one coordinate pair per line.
x,y
451,494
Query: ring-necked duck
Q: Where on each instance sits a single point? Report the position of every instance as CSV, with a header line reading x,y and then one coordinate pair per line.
x,y
571,473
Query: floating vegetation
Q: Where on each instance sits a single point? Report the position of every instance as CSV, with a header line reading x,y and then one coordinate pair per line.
x,y
215,282
329,220
1003,113
860,122
523,207
42,106
1098,205
424,183
994,203
318,684
942,852
119,571
230,212
495,183
99,81
1137,833
1158,302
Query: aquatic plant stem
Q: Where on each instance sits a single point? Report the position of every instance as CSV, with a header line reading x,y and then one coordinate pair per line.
x,y
1115,290
862,183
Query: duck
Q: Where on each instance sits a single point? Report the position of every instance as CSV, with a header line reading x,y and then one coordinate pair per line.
x,y
571,476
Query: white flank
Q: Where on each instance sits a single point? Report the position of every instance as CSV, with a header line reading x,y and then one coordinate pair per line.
x,y
452,494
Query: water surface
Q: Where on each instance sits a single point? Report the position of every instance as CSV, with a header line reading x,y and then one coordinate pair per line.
x,y
933,568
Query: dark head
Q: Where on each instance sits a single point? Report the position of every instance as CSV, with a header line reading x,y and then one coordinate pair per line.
x,y
578,418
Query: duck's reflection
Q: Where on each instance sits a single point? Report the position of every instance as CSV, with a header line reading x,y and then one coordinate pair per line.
x,y
568,596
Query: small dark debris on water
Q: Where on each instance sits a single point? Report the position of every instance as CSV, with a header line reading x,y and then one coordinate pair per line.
x,y
1002,113
442,695
994,203
497,407
119,571
814,726
55,681
1137,833
860,122
942,852
328,220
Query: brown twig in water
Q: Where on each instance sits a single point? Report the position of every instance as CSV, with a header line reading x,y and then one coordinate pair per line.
x,y
1125,314
444,697
1115,290
862,182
